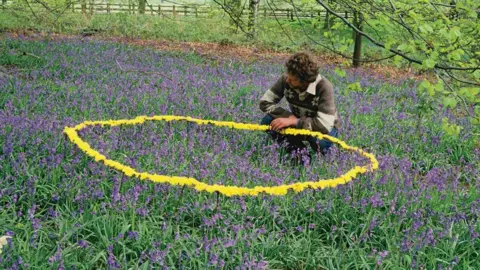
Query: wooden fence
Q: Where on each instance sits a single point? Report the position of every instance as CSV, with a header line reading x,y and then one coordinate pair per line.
x,y
92,7
188,10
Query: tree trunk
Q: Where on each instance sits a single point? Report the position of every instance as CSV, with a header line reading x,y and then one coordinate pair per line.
x,y
326,24
329,18
84,6
252,19
4,2
357,51
141,6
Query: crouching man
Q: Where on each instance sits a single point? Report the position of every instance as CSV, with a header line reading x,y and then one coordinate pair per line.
x,y
310,98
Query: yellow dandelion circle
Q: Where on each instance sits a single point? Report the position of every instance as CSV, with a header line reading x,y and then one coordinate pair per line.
x,y
72,133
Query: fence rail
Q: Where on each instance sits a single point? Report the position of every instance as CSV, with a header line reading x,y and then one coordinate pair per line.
x,y
91,7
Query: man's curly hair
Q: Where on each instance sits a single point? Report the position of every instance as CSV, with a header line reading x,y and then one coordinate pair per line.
x,y
303,66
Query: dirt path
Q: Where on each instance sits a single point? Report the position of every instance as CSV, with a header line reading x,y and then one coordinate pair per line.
x,y
215,51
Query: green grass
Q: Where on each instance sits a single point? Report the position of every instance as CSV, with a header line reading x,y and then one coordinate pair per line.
x,y
215,28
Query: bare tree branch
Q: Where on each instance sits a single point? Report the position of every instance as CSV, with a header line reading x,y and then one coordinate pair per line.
x,y
455,93
30,7
401,19
461,80
44,5
62,12
281,26
226,9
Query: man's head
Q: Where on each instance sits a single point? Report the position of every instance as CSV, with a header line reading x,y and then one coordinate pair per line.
x,y
301,69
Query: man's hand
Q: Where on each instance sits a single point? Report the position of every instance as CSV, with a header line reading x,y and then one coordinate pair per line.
x,y
281,123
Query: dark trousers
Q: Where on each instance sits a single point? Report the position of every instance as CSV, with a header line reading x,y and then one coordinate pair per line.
x,y
295,142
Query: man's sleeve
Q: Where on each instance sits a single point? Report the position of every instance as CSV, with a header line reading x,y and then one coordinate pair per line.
x,y
271,98
324,119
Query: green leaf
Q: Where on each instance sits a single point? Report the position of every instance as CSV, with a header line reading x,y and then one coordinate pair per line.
x,y
421,45
476,74
426,85
397,58
456,31
449,102
428,63
340,72
474,91
451,129
337,25
472,14
382,20
423,85
470,93
453,34
354,86
425,28
413,14
439,86
388,44
343,48
408,259
456,54
475,121
404,47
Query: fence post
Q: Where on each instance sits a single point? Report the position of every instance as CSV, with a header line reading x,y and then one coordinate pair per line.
x,y
141,6
151,9
185,10
196,12
291,15
159,10
91,7
173,11
108,7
